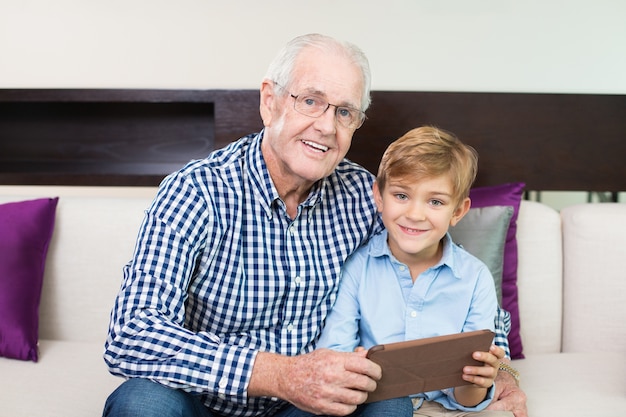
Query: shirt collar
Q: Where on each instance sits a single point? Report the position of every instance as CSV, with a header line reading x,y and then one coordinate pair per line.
x,y
379,247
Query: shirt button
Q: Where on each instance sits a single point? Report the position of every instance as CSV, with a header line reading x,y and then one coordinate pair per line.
x,y
290,328
297,280
223,383
402,268
413,313
292,230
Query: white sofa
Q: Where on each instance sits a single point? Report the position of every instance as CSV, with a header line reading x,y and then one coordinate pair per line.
x,y
572,292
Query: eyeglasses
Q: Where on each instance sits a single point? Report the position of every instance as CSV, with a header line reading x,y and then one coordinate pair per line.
x,y
315,106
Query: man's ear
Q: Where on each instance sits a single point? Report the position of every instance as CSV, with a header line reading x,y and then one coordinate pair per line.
x,y
460,211
266,103
378,197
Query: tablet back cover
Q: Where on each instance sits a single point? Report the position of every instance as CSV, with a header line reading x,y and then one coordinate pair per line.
x,y
426,364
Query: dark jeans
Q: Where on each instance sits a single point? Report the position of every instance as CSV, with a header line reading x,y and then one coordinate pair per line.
x,y
398,407
140,397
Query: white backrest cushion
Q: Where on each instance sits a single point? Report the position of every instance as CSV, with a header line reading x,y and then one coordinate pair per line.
x,y
539,277
594,254
93,239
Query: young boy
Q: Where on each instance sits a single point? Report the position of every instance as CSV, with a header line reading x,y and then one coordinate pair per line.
x,y
411,281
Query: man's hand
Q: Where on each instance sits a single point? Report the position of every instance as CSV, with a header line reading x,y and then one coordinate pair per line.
x,y
321,382
508,396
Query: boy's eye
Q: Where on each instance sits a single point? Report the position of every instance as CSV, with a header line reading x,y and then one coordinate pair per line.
x,y
436,202
400,196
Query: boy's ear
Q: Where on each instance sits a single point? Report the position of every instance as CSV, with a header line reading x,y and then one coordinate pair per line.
x,y
460,211
378,198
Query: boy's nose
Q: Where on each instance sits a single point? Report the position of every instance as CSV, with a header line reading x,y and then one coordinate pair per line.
x,y
416,212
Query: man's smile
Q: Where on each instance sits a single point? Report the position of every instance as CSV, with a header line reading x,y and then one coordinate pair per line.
x,y
315,146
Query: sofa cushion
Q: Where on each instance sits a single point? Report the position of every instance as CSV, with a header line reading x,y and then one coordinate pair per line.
x,y
506,195
574,384
482,232
69,380
94,239
25,232
539,277
594,288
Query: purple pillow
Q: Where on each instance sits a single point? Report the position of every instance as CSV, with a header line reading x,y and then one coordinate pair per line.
x,y
506,195
25,232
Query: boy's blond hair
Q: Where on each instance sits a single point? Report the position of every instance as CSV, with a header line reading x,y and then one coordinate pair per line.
x,y
430,152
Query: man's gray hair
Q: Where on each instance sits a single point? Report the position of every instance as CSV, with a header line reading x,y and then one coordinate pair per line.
x,y
281,68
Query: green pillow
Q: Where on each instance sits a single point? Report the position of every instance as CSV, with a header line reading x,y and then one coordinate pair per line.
x,y
482,232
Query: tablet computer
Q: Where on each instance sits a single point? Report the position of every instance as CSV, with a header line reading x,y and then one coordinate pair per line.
x,y
426,364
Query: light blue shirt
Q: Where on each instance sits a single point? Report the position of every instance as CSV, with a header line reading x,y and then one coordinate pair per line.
x,y
379,303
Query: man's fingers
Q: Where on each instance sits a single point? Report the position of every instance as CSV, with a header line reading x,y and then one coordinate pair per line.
x,y
329,382
358,364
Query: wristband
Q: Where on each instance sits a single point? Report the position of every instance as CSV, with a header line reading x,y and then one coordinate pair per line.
x,y
510,370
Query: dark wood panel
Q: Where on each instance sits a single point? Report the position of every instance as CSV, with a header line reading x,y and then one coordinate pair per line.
x,y
236,115
135,137
549,141
104,137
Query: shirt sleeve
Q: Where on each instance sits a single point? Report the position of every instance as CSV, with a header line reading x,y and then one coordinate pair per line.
x,y
446,398
484,304
147,334
341,328
502,324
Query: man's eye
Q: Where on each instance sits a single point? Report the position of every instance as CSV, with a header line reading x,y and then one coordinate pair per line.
x,y
311,101
344,113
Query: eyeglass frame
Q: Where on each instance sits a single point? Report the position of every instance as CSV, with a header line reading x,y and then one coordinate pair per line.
x,y
361,113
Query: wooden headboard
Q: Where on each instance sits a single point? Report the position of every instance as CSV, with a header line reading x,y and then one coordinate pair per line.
x,y
136,137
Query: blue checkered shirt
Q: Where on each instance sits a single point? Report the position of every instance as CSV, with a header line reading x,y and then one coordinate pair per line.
x,y
220,272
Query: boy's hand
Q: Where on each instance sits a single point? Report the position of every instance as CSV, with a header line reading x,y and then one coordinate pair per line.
x,y
483,376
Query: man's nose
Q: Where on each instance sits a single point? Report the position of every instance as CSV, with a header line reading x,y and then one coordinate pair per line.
x,y
327,122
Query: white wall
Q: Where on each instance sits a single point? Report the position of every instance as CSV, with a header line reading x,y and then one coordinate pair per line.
x,y
437,45
558,46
